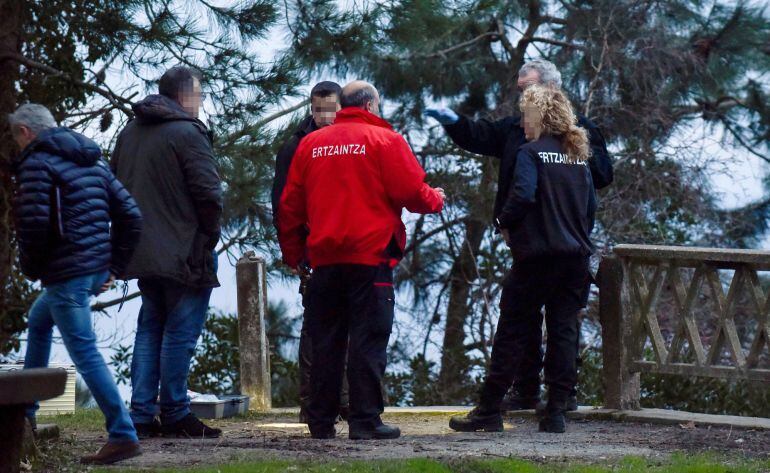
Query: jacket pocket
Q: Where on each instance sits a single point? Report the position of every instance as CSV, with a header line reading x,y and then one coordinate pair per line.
x,y
383,300
201,260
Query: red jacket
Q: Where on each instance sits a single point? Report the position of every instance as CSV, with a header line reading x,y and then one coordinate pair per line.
x,y
347,185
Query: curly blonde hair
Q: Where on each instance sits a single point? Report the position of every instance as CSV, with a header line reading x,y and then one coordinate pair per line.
x,y
558,119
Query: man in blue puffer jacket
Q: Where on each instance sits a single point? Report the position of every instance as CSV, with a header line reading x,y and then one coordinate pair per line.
x,y
77,228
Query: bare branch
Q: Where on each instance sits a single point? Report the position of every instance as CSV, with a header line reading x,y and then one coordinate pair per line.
x,y
426,236
564,44
117,101
553,19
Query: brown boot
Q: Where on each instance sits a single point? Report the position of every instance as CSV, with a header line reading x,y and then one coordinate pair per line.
x,y
113,452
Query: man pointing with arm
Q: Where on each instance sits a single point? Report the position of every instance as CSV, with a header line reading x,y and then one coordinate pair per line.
x,y
341,209
502,139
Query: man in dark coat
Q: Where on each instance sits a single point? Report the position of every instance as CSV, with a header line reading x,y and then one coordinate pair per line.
x,y
324,104
502,139
76,227
165,158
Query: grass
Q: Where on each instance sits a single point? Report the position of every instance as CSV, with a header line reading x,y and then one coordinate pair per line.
x,y
676,464
82,419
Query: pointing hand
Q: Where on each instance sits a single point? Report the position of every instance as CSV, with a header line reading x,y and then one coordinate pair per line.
x,y
444,116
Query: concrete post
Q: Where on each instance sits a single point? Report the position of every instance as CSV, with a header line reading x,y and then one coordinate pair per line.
x,y
621,386
251,278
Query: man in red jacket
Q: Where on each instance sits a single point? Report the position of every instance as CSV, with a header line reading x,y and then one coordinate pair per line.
x,y
341,209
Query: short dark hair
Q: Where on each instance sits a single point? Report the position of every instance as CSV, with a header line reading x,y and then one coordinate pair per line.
x,y
325,89
176,78
358,98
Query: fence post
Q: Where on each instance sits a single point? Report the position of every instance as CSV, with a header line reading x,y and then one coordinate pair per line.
x,y
621,387
251,278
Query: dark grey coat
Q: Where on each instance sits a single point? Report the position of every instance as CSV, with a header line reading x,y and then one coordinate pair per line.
x,y
164,157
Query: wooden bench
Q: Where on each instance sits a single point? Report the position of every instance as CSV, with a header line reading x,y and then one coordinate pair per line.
x,y
17,390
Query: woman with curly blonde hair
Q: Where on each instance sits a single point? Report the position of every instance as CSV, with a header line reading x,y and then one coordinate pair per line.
x,y
546,221
547,111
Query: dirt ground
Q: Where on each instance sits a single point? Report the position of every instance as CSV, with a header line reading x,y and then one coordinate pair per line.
x,y
279,436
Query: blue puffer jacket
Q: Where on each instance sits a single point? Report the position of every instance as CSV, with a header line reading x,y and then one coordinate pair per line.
x,y
66,198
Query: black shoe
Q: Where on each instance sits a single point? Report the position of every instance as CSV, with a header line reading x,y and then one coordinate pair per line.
x,y
477,420
572,404
323,433
190,426
553,422
150,429
381,432
517,399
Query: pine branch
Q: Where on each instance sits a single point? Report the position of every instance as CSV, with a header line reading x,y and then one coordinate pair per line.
x,y
117,101
564,44
737,135
233,137
443,53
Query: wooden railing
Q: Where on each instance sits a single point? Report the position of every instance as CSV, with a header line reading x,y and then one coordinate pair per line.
x,y
699,293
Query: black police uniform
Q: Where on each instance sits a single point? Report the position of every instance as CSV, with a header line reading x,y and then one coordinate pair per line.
x,y
502,139
549,213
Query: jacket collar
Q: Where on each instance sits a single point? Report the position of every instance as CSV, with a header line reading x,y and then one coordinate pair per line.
x,y
354,114
64,143
306,126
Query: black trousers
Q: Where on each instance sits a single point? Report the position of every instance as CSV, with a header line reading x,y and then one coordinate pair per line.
x,y
306,368
350,310
559,284
527,382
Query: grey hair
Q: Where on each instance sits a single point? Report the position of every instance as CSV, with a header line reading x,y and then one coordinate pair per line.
x,y
546,70
358,98
33,116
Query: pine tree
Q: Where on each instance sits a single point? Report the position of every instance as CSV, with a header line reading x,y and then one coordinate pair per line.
x,y
89,60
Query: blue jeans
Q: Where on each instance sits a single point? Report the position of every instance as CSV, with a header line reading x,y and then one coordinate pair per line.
x,y
67,305
170,321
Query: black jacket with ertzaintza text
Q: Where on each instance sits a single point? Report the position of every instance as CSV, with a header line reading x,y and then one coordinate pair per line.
x,y
551,205
503,138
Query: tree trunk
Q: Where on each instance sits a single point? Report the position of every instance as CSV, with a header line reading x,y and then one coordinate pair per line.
x,y
454,385
11,289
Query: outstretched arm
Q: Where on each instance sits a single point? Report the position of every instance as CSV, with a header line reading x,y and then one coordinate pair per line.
x,y
404,180
477,136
